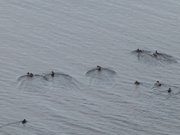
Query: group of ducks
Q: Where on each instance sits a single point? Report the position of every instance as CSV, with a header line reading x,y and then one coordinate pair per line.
x,y
32,75
141,51
157,55
157,84
52,74
99,69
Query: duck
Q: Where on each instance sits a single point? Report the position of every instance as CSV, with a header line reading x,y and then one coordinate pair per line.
x,y
139,50
137,83
52,74
169,90
30,74
99,68
24,121
158,84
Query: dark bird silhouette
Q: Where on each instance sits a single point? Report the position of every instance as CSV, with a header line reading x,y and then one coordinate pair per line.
x,y
58,74
169,90
52,73
102,69
31,75
99,68
137,83
158,84
16,122
24,121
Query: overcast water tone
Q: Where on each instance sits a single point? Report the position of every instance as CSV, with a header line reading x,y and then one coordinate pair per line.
x,y
72,37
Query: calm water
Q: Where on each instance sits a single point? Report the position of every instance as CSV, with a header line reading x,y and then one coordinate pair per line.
x,y
72,37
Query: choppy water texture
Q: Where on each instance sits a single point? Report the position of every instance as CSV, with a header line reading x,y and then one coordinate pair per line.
x,y
72,37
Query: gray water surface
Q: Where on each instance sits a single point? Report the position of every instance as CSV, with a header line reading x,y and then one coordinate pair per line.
x,y
72,37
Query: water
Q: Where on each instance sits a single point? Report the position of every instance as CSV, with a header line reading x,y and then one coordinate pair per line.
x,y
72,37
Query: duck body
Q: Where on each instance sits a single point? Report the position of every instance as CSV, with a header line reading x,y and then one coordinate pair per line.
x,y
137,83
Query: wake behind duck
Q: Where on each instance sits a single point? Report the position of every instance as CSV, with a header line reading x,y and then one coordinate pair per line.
x,y
163,57
140,51
100,69
58,74
101,76
31,76
154,57
62,79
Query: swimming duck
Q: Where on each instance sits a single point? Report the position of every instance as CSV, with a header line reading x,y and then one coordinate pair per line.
x,y
99,68
139,50
156,52
137,83
30,74
24,121
169,90
158,83
52,74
